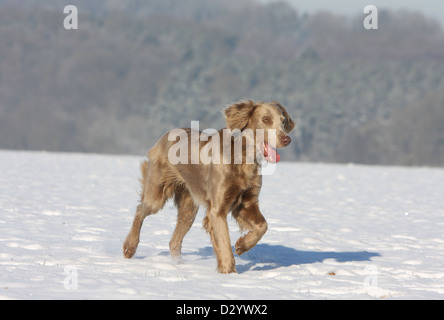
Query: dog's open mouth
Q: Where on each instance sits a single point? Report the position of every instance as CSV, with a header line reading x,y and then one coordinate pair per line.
x,y
271,154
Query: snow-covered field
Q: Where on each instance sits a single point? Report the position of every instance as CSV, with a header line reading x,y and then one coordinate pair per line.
x,y
335,232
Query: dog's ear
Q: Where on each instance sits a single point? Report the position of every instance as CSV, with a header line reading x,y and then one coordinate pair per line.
x,y
238,114
288,122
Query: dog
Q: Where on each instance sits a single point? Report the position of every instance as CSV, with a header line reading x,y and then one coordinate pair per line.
x,y
230,185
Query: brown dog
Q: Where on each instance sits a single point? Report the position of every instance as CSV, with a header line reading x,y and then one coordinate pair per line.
x,y
224,178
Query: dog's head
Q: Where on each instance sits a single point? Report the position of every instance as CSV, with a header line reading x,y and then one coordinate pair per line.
x,y
269,116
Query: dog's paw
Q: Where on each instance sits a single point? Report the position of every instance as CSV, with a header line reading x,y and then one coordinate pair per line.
x,y
129,249
230,268
240,246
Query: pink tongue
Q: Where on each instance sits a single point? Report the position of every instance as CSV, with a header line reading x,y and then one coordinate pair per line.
x,y
271,154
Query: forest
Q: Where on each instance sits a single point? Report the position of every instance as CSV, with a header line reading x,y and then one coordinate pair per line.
x,y
135,69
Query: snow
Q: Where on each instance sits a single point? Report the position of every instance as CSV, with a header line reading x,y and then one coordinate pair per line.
x,y
335,232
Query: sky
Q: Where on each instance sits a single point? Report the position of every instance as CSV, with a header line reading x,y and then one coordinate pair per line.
x,y
433,8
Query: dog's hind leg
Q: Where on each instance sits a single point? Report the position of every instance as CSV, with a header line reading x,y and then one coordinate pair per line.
x,y
132,240
186,214
153,198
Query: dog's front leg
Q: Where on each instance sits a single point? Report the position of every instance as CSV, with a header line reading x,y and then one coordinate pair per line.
x,y
216,225
251,219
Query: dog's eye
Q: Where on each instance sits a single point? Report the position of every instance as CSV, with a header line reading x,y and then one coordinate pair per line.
x,y
266,120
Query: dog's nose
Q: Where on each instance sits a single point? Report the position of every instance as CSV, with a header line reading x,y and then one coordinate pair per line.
x,y
285,140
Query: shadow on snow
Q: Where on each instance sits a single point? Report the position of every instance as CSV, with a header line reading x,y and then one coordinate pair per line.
x,y
268,257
